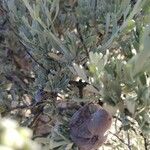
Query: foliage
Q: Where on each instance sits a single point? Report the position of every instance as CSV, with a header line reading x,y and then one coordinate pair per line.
x,y
57,55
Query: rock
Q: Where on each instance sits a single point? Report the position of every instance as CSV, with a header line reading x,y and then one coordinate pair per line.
x,y
89,125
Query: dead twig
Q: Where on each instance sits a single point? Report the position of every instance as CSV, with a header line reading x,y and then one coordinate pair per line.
x,y
119,138
145,141
81,37
128,137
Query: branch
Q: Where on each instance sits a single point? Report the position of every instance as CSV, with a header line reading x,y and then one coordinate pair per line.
x,y
145,141
80,36
118,138
32,57
128,137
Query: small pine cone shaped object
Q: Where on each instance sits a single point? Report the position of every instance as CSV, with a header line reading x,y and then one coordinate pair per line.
x,y
88,126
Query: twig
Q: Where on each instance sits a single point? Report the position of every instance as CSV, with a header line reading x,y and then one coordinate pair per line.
x,y
80,85
95,22
32,57
21,107
95,8
118,138
35,119
145,141
34,104
99,34
128,137
81,37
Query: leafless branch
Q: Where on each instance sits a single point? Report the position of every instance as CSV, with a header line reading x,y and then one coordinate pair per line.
x,y
145,141
128,137
118,138
80,36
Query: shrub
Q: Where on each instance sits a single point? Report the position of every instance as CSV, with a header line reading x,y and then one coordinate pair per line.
x,y
60,55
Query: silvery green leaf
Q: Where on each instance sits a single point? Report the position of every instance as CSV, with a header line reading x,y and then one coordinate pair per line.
x,y
57,44
90,40
80,72
32,13
71,43
139,61
24,37
11,5
107,23
131,106
114,23
145,40
56,144
130,26
25,21
126,12
55,8
98,60
69,146
92,89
